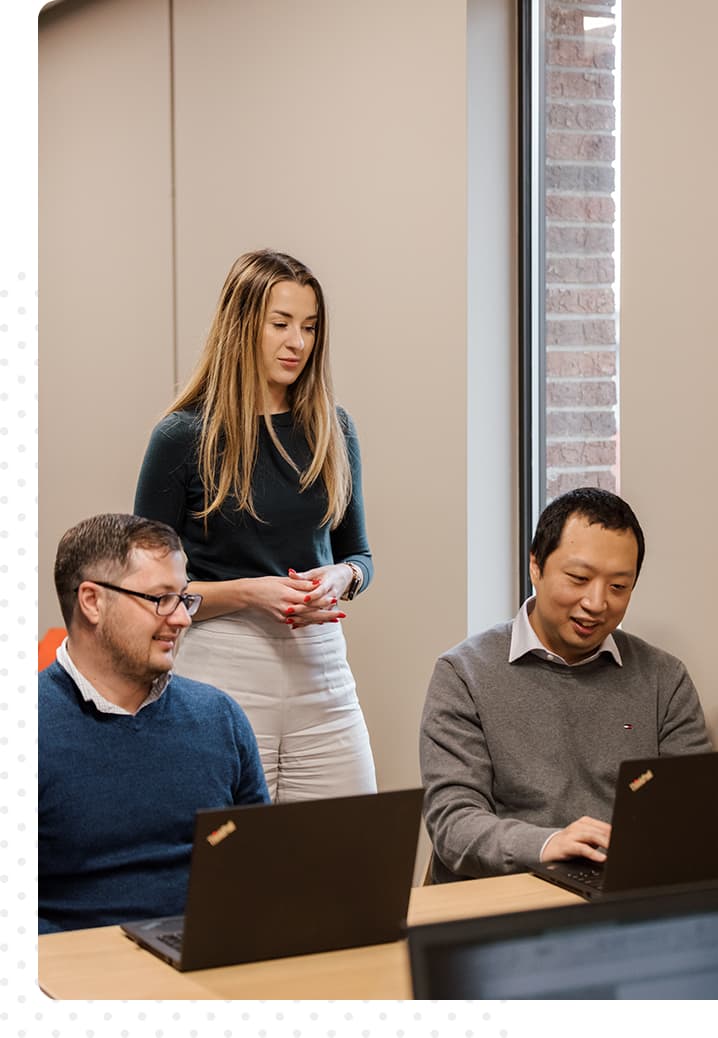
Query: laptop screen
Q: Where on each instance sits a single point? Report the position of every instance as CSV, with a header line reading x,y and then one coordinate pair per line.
x,y
657,947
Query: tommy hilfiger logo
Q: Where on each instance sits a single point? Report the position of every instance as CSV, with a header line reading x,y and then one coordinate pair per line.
x,y
221,834
640,781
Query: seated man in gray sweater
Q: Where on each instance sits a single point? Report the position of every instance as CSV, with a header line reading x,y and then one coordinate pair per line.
x,y
127,752
525,725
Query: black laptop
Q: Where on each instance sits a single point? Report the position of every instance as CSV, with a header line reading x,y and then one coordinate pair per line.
x,y
272,880
663,831
645,946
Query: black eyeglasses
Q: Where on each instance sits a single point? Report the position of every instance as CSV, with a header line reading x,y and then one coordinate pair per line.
x,y
164,604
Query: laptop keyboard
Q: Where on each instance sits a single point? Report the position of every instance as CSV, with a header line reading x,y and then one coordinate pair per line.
x,y
587,874
173,940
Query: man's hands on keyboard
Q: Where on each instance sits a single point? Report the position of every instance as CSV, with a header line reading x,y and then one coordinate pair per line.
x,y
585,838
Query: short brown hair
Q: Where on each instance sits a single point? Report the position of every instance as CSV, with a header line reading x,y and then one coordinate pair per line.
x,y
101,543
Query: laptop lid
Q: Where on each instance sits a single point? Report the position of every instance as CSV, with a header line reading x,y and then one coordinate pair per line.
x,y
273,880
661,830
649,946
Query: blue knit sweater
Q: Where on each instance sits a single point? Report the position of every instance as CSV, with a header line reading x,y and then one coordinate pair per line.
x,y
118,796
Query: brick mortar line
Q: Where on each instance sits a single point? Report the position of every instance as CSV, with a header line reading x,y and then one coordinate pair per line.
x,y
579,255
554,37
599,224
576,102
582,70
563,5
585,102
580,163
569,318
581,286
570,132
576,380
557,470
566,5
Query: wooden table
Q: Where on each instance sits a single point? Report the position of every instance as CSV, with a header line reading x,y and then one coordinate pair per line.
x,y
102,963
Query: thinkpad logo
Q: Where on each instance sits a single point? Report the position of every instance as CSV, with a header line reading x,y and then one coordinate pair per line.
x,y
641,780
221,834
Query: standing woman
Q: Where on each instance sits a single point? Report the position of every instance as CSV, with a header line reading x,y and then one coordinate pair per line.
x,y
259,472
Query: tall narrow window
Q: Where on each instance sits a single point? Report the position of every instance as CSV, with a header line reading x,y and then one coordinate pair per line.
x,y
570,85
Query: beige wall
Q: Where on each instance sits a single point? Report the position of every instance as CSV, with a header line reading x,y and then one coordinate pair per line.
x,y
333,130
669,325
105,258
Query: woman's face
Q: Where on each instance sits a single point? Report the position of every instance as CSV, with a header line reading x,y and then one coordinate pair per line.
x,y
288,337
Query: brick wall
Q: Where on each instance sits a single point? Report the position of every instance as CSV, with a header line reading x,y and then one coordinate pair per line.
x,y
581,319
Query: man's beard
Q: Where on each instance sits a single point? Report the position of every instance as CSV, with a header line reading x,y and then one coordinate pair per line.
x,y
132,666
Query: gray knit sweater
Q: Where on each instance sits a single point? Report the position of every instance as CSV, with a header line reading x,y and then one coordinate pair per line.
x,y
511,752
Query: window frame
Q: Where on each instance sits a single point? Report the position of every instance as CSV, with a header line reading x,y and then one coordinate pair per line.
x,y
531,278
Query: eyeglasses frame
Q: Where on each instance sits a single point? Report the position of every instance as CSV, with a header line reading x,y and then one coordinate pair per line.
x,y
152,598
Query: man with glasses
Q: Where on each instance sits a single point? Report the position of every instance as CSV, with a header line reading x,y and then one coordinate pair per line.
x,y
127,752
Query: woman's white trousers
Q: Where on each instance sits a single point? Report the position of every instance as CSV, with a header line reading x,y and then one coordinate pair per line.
x,y
299,694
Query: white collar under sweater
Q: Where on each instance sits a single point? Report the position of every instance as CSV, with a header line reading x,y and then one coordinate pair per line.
x,y
524,639
90,694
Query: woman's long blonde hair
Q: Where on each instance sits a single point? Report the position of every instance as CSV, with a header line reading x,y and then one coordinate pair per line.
x,y
229,390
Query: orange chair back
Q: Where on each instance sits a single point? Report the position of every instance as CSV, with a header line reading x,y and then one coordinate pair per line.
x,y
53,637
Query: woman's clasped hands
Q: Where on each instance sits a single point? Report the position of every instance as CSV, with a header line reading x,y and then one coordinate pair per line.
x,y
300,599
320,591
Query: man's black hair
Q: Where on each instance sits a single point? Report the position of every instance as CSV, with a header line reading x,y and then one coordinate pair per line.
x,y
594,505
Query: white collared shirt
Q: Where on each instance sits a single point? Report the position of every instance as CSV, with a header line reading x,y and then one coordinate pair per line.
x,y
524,639
90,694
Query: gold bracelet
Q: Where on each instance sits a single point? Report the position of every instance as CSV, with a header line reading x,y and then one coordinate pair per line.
x,y
355,583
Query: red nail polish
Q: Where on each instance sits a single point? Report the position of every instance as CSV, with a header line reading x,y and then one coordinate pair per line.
x,y
307,598
292,572
334,621
315,582
342,616
289,611
334,601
